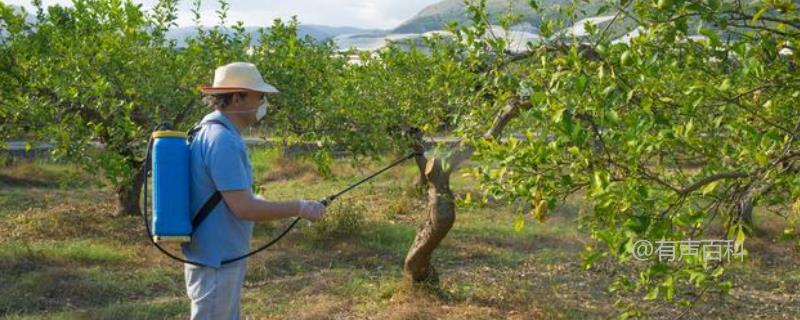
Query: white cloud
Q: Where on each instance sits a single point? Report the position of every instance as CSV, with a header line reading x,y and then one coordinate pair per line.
x,y
382,14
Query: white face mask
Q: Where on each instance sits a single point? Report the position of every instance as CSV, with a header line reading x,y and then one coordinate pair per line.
x,y
262,111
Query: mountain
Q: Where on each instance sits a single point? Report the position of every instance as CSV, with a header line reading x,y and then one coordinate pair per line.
x,y
518,39
434,18
321,32
438,15
318,32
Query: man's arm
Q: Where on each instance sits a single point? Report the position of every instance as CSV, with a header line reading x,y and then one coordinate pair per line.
x,y
248,207
226,162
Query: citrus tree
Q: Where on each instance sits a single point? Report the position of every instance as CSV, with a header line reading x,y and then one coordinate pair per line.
x,y
383,104
12,25
409,94
673,134
96,77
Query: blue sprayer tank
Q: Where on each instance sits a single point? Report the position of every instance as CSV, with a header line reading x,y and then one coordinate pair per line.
x,y
172,221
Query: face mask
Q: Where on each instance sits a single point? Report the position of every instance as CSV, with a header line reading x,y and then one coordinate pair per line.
x,y
262,111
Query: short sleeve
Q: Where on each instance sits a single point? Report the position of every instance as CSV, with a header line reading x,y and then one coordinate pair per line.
x,y
227,163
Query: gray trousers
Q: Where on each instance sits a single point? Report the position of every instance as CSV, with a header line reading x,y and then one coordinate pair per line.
x,y
215,292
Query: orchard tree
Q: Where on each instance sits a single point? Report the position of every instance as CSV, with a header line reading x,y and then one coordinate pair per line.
x,y
671,135
96,77
383,104
306,71
410,94
13,26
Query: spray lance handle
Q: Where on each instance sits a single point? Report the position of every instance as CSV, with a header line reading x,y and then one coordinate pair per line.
x,y
327,201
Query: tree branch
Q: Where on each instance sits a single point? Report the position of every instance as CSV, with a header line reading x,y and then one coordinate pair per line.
x,y
511,110
702,182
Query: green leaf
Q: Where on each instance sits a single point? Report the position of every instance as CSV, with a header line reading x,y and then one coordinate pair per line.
x,y
709,188
758,15
607,237
625,59
613,116
718,272
599,181
609,89
652,295
711,34
519,224
688,129
696,278
761,158
637,224
726,85
726,286
669,285
737,245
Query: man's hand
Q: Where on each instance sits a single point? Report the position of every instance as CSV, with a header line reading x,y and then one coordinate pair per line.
x,y
311,210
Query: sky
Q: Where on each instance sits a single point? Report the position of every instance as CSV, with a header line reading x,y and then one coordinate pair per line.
x,y
377,14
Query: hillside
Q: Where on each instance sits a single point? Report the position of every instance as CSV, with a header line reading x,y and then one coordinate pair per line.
x,y
318,32
437,15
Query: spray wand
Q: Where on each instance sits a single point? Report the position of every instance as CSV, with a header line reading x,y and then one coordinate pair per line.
x,y
326,202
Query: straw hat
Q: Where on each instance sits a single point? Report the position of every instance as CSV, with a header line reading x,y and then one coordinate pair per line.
x,y
238,77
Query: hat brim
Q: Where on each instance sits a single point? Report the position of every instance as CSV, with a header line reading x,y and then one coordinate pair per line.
x,y
264,88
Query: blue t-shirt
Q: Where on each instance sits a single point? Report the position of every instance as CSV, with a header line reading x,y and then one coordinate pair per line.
x,y
219,162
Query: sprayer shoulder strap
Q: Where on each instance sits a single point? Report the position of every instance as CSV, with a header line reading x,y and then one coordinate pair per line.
x,y
215,198
205,210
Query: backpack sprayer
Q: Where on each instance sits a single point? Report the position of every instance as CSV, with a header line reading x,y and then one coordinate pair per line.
x,y
168,157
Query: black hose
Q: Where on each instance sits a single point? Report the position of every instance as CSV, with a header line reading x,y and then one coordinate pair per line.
x,y
327,201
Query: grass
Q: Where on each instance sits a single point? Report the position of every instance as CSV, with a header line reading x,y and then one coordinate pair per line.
x,y
62,256
83,251
160,308
44,174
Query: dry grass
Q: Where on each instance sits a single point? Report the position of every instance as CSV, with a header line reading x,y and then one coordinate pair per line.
x,y
63,256
35,174
291,169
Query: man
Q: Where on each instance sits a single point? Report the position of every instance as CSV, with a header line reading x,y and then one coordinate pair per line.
x,y
219,162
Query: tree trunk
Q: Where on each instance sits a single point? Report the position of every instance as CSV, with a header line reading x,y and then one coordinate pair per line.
x,y
745,212
422,181
441,207
441,216
129,194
